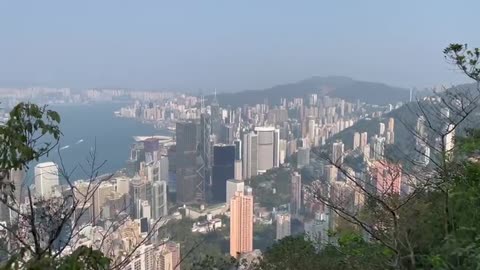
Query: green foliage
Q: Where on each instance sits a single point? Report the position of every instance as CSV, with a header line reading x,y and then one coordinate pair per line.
x,y
83,258
21,135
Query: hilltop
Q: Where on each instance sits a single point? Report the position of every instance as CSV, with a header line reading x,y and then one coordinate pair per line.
x,y
334,86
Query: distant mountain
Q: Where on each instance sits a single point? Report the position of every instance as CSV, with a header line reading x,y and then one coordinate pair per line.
x,y
334,86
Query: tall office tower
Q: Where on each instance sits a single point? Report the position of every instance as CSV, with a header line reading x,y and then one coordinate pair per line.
x,y
234,185
238,149
303,157
238,169
159,200
139,191
283,225
227,134
205,147
46,178
356,140
249,155
386,177
267,148
337,153
216,118
381,129
311,129
164,166
363,139
296,194
276,149
241,223
222,170
151,147
378,148
152,171
190,185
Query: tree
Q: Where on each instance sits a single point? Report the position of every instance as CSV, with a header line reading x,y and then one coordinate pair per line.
x,y
44,232
407,224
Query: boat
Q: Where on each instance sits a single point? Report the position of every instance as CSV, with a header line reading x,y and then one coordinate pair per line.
x,y
64,147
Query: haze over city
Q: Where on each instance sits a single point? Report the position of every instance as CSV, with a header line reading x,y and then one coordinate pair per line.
x,y
229,46
247,135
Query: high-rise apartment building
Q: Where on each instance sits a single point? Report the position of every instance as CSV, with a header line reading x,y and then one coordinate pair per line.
x,y
381,129
363,139
296,194
283,225
234,185
337,152
378,147
46,178
386,177
356,140
241,223
303,157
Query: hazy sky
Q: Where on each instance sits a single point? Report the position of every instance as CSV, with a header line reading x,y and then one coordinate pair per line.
x,y
230,45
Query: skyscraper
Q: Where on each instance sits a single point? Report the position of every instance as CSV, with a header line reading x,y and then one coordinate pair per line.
x,y
363,139
189,163
238,170
391,130
250,164
268,151
222,170
378,147
386,177
238,149
356,140
303,157
381,129
46,177
296,194
139,191
234,185
337,153
241,223
283,225
159,200
448,140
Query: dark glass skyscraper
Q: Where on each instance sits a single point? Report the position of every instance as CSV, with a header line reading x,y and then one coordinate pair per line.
x,y
190,185
222,170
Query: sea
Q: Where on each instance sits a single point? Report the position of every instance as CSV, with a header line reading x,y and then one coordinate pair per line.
x,y
89,128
